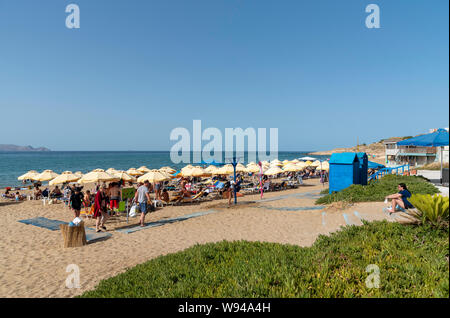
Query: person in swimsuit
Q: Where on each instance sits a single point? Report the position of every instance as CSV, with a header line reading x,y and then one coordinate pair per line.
x,y
115,195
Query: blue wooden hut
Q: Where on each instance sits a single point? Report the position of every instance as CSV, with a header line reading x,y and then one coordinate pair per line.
x,y
363,167
344,170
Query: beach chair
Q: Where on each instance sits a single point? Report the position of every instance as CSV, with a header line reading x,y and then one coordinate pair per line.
x,y
266,186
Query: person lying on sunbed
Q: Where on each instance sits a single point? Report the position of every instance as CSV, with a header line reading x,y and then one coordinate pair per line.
x,y
400,198
8,194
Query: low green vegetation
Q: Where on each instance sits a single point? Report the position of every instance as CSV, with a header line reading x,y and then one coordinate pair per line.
x,y
412,262
431,209
377,190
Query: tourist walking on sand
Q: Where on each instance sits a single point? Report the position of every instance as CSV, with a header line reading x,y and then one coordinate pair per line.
x,y
100,209
142,197
75,201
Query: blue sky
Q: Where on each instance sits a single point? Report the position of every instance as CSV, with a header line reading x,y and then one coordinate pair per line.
x,y
137,69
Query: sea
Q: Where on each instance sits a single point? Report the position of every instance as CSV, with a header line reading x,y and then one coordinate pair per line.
x,y
14,164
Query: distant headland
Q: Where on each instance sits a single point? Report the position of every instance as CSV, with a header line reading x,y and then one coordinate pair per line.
x,y
21,148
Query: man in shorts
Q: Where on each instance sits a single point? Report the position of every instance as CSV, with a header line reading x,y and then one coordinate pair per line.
x,y
142,197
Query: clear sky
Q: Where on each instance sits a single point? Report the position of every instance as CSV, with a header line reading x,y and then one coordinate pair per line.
x,y
137,69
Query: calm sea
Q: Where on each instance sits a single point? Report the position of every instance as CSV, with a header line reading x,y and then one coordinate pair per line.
x,y
14,164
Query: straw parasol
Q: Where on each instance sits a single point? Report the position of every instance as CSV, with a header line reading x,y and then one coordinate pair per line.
x,y
225,170
168,170
211,169
30,175
65,177
253,168
111,171
97,176
79,173
153,176
134,172
46,175
143,169
122,175
291,168
240,168
273,171
195,172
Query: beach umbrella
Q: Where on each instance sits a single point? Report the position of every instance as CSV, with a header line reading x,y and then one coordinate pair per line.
x,y
253,168
167,169
111,171
211,169
64,177
46,175
295,161
97,176
308,163
195,172
30,175
439,138
134,172
143,169
225,170
79,173
291,168
153,176
240,168
315,163
122,175
273,171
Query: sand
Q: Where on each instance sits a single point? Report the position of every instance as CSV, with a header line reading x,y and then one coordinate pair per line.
x,y
33,262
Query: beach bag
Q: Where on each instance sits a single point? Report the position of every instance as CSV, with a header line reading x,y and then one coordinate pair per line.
x,y
133,211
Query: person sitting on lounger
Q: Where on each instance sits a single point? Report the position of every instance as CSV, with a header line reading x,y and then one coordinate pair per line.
x,y
37,194
56,193
19,197
165,196
400,198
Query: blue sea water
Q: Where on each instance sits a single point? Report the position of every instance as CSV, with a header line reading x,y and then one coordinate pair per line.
x,y
14,164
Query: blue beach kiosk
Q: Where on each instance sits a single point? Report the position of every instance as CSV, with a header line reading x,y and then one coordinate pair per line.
x,y
363,167
344,171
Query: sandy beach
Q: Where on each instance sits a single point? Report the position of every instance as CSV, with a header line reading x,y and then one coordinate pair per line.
x,y
34,262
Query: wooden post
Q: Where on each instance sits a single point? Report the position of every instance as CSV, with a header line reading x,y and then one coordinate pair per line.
x,y
74,236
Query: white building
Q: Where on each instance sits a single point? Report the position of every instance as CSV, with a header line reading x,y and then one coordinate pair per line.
x,y
416,156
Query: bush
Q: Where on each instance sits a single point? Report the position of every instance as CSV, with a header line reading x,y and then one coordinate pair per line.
x,y
377,190
413,262
432,209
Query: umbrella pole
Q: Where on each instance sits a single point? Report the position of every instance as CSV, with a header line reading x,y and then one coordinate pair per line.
x,y
441,165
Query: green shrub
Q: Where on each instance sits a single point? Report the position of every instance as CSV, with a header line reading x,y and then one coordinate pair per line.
x,y
413,262
432,209
377,190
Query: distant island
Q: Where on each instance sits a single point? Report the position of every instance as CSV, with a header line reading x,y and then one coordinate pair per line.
x,y
4,148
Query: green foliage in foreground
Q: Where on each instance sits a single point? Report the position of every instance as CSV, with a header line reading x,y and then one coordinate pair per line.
x,y
413,262
432,209
377,190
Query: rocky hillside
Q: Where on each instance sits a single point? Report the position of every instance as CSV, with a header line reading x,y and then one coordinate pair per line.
x,y
21,148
